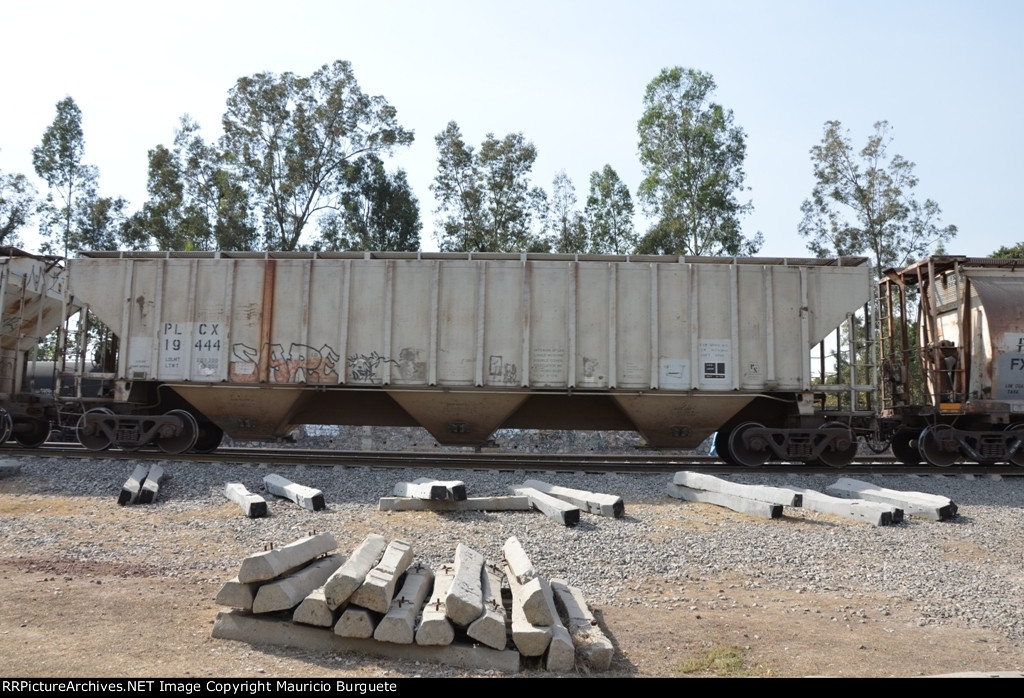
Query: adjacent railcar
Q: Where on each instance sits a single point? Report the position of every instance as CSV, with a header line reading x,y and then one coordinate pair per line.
x,y
955,387
253,344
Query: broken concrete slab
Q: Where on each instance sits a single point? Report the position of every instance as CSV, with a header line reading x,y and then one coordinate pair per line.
x,y
269,564
378,588
352,574
291,590
591,502
760,493
464,601
305,497
594,649
763,510
511,503
927,506
252,505
267,631
553,508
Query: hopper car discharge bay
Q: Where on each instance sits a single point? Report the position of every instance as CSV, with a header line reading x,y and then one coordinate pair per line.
x,y
175,349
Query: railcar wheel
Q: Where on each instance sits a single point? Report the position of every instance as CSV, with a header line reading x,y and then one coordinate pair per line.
x,y
757,453
904,448
841,456
722,447
184,439
96,441
6,426
1018,457
35,435
208,439
936,447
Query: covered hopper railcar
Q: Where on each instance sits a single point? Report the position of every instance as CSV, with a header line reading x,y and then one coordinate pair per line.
x,y
254,344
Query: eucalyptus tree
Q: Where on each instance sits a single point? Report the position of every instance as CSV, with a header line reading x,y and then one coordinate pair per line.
x,y
565,223
865,202
291,139
17,206
609,214
692,157
485,200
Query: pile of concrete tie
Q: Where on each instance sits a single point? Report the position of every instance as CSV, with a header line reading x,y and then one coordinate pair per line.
x,y
380,601
850,499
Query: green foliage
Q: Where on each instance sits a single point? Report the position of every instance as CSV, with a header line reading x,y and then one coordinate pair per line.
x,y
291,140
564,222
484,198
17,206
194,203
609,214
378,212
58,160
1015,252
692,157
864,203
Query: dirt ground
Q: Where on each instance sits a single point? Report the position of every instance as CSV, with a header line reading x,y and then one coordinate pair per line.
x,y
61,617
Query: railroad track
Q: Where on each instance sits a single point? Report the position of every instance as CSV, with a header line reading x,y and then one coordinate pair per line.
x,y
586,462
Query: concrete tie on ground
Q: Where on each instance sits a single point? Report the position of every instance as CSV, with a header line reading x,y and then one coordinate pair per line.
x,y
431,489
553,508
759,493
531,640
252,505
875,513
377,589
132,486
357,622
151,487
343,583
593,647
763,510
268,564
435,628
399,623
591,502
455,490
927,506
561,653
314,611
517,561
237,595
290,591
511,503
464,601
306,497
490,627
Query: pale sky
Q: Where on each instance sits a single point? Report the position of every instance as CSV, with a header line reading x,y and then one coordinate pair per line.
x,y
569,75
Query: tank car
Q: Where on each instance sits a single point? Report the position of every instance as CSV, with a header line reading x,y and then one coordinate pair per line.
x,y
953,372
254,344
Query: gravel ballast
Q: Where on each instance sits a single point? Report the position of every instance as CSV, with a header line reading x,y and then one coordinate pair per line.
x,y
966,571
